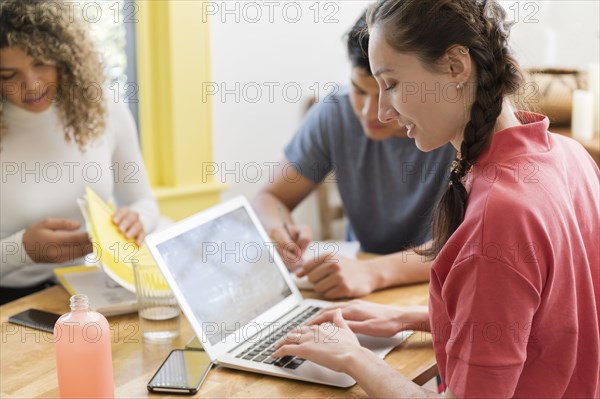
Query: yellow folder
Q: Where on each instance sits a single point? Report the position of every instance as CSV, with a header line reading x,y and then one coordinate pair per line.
x,y
112,249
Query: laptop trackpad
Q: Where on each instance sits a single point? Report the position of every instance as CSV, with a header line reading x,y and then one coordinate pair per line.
x,y
381,346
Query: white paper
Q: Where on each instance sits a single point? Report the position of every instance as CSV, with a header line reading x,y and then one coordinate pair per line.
x,y
105,295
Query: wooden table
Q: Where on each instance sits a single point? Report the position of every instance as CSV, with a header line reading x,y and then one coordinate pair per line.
x,y
28,362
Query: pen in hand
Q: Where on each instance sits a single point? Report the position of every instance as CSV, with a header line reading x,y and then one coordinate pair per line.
x,y
286,225
292,255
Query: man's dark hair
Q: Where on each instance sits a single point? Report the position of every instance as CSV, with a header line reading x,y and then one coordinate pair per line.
x,y
358,44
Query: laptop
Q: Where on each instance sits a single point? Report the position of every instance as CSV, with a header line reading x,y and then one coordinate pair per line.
x,y
238,295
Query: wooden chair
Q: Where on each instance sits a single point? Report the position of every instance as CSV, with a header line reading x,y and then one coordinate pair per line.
x,y
329,210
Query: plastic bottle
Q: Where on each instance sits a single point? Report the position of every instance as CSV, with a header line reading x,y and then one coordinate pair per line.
x,y
83,353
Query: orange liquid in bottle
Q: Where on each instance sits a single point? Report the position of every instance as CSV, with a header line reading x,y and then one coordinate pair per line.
x,y
83,353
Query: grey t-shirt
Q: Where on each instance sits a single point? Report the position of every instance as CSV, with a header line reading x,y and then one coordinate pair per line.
x,y
388,188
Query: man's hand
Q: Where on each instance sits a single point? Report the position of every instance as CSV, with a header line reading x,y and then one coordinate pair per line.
x,y
336,276
291,248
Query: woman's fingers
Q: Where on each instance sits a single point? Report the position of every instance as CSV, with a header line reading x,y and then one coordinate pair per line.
x,y
140,237
120,214
134,230
129,224
290,350
325,316
295,336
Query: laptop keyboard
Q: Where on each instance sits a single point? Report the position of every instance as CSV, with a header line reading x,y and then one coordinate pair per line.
x,y
262,350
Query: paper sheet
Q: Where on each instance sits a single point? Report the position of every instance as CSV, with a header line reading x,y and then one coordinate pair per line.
x,y
105,295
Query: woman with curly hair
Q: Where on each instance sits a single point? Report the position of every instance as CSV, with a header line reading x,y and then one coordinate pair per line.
x,y
515,284
59,134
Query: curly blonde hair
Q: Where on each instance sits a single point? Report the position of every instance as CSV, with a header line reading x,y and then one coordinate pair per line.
x,y
48,31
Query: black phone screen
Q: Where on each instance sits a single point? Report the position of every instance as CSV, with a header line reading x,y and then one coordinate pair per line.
x,y
182,372
37,319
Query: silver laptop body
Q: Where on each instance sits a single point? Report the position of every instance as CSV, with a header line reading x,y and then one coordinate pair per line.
x,y
237,293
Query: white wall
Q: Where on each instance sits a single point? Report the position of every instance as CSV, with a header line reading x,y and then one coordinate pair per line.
x,y
306,53
563,33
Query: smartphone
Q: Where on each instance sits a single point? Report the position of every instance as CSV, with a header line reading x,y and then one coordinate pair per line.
x,y
38,319
183,371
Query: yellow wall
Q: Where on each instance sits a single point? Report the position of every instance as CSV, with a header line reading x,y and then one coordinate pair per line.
x,y
173,56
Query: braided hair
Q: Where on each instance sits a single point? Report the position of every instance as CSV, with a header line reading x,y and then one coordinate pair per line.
x,y
427,29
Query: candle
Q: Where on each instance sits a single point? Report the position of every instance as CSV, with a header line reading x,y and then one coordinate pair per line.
x,y
594,88
582,120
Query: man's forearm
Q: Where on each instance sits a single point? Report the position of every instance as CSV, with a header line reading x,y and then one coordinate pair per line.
x,y
400,268
267,207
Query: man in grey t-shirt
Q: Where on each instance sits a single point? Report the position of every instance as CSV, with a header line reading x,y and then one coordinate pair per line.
x,y
388,188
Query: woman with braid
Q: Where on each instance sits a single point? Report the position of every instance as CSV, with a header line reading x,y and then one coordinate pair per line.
x,y
514,292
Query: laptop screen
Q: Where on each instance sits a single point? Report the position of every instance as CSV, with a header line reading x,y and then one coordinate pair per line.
x,y
226,272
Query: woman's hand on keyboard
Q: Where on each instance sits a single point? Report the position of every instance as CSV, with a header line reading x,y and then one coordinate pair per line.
x,y
330,344
376,319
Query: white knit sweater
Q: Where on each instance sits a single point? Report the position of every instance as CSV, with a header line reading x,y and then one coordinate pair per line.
x,y
42,175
